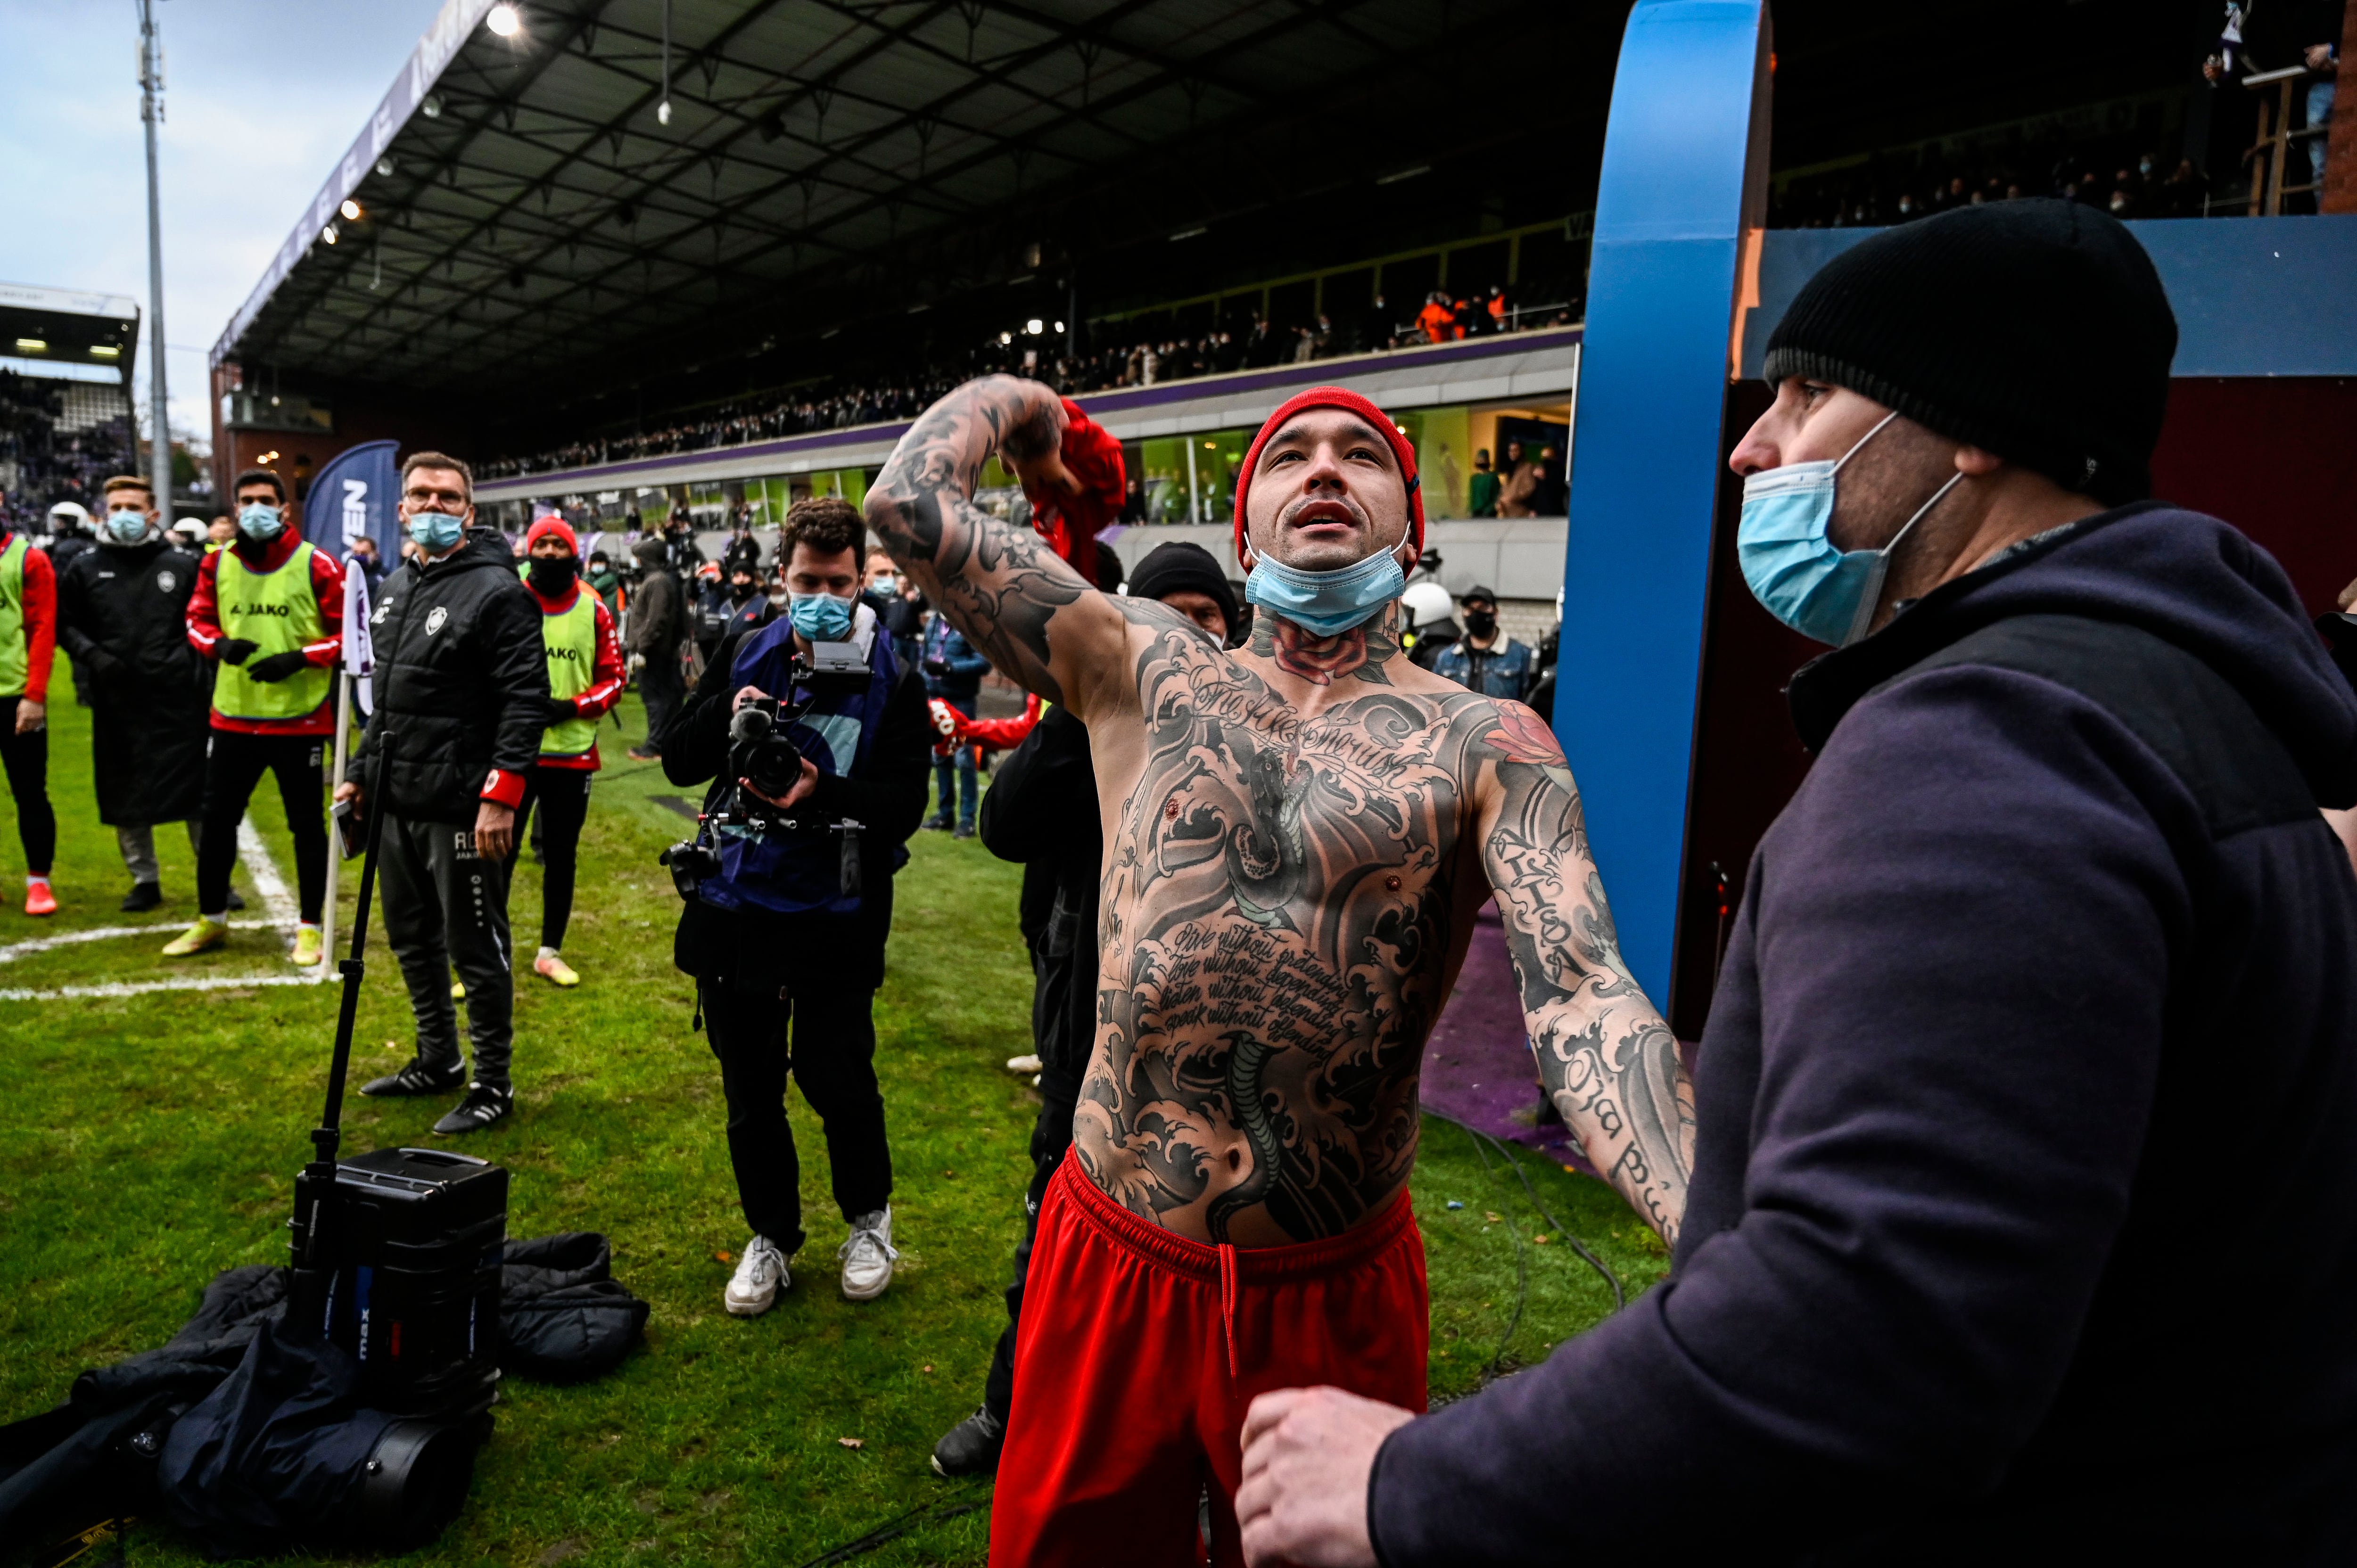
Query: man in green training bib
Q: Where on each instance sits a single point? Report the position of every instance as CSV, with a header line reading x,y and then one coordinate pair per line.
x,y
268,610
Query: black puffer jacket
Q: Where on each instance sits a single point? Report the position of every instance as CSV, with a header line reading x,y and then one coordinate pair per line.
x,y
461,681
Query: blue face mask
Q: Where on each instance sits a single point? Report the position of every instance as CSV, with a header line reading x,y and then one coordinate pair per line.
x,y
436,532
1326,604
259,522
127,527
1795,570
822,617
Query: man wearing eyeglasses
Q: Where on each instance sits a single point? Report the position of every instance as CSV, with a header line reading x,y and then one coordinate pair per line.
x,y
461,699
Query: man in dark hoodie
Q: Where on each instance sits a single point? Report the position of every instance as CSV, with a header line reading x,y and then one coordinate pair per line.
x,y
462,698
658,622
2043,988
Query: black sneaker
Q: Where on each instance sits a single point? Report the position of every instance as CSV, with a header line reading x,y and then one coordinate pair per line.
x,y
416,1079
971,1447
483,1107
143,896
936,823
964,831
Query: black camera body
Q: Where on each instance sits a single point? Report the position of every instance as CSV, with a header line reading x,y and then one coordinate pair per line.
x,y
760,751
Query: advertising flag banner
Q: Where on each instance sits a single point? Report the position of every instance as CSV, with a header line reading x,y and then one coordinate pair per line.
x,y
354,496
359,657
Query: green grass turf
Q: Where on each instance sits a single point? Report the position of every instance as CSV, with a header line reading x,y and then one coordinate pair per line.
x,y
151,1140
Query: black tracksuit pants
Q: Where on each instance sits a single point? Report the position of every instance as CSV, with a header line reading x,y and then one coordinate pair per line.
x,y
826,1037
561,796
662,689
25,761
234,764
446,908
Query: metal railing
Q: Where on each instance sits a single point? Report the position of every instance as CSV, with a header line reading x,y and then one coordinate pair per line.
x,y
2269,158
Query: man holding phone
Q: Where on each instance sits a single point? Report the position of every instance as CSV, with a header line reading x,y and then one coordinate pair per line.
x,y
462,698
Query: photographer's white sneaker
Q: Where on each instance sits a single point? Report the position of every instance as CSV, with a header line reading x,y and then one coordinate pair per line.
x,y
760,1275
869,1256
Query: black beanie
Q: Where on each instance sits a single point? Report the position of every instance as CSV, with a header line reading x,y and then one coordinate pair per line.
x,y
1179,565
2035,329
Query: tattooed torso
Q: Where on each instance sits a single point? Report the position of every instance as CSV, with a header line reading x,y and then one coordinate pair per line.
x,y
1284,900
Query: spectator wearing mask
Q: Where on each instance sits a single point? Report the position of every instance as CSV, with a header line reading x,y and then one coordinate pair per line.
x,y
1042,813
363,558
1436,320
742,549
585,681
720,604
787,949
28,631
658,624
606,583
268,610
1376,326
2049,933
954,673
462,708
900,605
123,614
1481,488
1484,659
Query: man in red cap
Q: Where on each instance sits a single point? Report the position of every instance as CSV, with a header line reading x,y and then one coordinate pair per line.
x,y
584,681
1299,833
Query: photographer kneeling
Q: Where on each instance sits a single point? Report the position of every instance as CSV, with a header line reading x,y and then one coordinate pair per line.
x,y
788,889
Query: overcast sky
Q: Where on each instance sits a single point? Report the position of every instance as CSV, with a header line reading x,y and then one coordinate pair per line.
x,y
261,97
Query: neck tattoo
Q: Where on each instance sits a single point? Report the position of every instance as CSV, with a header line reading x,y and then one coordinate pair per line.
x,y
1359,653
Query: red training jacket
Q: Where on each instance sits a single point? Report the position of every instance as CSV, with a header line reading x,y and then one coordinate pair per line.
x,y
41,607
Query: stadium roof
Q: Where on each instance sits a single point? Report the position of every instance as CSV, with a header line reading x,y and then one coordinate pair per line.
x,y
524,204
41,327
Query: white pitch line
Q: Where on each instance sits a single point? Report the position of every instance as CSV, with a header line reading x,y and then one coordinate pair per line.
x,y
275,899
31,945
144,987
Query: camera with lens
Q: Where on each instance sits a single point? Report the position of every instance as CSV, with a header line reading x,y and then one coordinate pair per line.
x,y
760,750
689,860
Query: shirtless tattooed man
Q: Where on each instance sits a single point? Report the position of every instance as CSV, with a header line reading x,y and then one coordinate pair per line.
x,y
1299,834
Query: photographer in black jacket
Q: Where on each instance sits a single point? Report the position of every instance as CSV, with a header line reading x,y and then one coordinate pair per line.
x,y
1041,809
785,922
461,699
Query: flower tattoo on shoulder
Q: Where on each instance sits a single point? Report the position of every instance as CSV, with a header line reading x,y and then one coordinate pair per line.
x,y
1522,736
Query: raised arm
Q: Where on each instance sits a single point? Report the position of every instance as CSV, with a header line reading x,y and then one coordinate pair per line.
x,y
1606,1057
1031,615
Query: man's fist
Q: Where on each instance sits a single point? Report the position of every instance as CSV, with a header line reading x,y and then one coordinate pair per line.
x,y
277,666
237,649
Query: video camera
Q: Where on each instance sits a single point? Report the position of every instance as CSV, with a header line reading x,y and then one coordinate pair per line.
x,y
765,756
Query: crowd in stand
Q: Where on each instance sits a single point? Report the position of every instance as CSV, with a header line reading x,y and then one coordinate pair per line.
x,y
51,464
2148,186
1140,351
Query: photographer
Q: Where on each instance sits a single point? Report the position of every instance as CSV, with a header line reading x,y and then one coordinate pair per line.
x,y
783,927
462,699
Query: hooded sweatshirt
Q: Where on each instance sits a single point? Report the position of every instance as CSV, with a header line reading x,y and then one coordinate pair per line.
x,y
2023,1216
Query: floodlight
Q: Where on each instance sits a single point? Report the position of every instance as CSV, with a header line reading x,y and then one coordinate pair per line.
x,y
351,210
328,234
504,21
1032,327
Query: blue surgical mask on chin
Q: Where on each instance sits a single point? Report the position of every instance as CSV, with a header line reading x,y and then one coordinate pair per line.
x,y
259,522
1326,604
436,532
822,617
1794,569
126,527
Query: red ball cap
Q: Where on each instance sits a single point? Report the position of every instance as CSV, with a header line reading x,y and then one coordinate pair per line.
x,y
1341,398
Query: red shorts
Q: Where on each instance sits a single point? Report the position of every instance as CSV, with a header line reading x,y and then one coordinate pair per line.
x,y
1140,1349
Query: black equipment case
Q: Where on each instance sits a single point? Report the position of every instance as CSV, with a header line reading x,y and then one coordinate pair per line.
x,y
415,1292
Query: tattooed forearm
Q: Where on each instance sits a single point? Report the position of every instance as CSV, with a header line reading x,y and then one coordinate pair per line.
x,y
1027,612
1606,1057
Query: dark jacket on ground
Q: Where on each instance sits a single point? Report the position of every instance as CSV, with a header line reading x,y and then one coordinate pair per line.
x,y
2023,1222
122,616
887,794
461,678
1041,809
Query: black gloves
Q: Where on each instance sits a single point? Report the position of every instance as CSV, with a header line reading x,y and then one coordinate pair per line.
x,y
237,649
939,669
101,665
561,711
278,666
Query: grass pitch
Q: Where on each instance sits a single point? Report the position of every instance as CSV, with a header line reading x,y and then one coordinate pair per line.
x,y
151,1140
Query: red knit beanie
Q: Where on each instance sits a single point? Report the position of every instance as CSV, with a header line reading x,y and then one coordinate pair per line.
x,y
554,524
1341,398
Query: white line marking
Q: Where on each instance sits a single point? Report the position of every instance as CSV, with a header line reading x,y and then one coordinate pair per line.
x,y
143,987
31,945
275,899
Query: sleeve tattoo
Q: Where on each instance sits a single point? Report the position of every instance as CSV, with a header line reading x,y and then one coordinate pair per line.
x,y
1035,620
1605,1056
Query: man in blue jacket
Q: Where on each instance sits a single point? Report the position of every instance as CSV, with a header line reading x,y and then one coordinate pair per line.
x,y
954,673
2042,994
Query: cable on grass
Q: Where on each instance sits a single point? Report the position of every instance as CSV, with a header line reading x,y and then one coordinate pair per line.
x,y
891,1530
1620,1300
1522,1267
